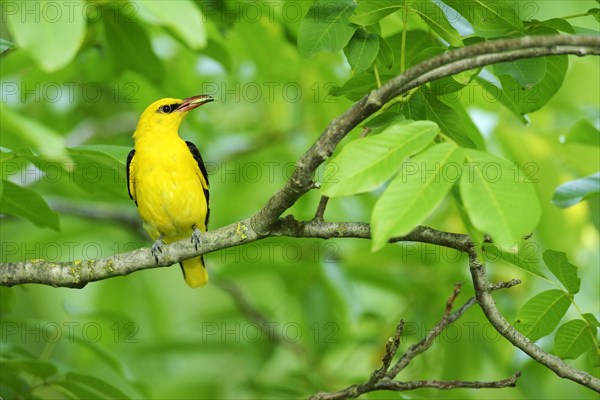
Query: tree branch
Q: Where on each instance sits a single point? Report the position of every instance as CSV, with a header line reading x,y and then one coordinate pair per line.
x,y
449,63
267,221
488,305
383,377
77,273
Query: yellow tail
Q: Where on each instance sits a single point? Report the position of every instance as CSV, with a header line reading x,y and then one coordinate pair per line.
x,y
194,272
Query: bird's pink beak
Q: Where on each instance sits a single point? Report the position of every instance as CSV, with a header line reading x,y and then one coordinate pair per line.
x,y
195,101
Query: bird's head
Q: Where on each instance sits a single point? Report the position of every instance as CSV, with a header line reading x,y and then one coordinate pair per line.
x,y
166,114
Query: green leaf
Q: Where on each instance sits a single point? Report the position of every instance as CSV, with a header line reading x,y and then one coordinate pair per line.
x,y
23,131
497,199
573,338
22,202
527,99
526,72
416,106
494,93
219,53
99,385
118,153
453,121
76,390
542,313
494,252
6,45
419,187
593,357
356,87
558,24
98,171
492,18
382,121
39,368
573,192
591,320
385,56
562,269
594,12
362,50
326,27
51,35
584,132
435,18
135,52
372,11
182,17
365,164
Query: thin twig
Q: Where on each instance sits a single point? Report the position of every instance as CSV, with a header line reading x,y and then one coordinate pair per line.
x,y
383,377
483,290
320,213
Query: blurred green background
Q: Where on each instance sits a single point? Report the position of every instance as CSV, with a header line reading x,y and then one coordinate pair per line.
x,y
85,77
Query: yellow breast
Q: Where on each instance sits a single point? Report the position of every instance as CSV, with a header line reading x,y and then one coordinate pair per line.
x,y
169,190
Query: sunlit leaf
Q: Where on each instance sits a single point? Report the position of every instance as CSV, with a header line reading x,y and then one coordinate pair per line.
x,y
490,18
526,72
367,163
573,338
453,121
134,53
326,27
371,11
23,202
435,18
182,17
494,252
573,192
542,313
498,200
23,131
562,269
52,35
419,187
584,132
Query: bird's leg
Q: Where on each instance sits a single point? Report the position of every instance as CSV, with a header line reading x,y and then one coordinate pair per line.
x,y
157,247
196,237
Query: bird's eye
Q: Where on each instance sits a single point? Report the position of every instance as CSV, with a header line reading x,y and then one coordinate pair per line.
x,y
165,109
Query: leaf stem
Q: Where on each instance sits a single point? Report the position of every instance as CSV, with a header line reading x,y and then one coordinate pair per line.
x,y
403,50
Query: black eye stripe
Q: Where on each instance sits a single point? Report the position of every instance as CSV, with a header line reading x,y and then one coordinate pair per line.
x,y
168,108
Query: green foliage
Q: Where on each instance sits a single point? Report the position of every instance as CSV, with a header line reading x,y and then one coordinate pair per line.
x,y
366,164
542,314
361,50
415,192
326,27
62,35
573,192
28,204
498,198
371,12
75,76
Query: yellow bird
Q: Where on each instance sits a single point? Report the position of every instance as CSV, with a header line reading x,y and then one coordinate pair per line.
x,y
167,179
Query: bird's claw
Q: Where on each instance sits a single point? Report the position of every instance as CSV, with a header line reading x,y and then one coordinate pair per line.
x,y
196,237
157,248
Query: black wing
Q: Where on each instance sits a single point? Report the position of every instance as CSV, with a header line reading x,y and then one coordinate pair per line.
x,y
196,154
129,158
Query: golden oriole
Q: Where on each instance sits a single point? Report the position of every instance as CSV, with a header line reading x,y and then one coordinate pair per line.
x,y
167,180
